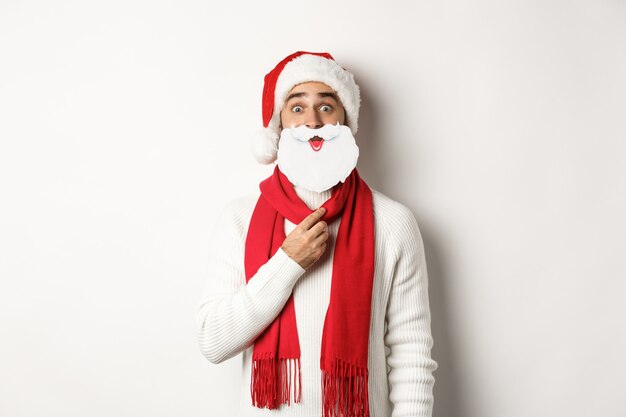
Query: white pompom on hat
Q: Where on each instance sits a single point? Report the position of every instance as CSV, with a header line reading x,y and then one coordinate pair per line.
x,y
295,69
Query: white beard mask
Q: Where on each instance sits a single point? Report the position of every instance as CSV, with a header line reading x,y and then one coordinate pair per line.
x,y
317,159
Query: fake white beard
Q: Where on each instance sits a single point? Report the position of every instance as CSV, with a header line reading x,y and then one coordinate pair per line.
x,y
321,169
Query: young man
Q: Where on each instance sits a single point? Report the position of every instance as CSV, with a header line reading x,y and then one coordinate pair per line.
x,y
319,281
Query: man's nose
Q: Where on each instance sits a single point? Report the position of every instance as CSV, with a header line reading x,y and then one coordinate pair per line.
x,y
313,120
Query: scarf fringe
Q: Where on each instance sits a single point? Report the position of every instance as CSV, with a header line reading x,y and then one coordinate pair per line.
x,y
274,381
345,391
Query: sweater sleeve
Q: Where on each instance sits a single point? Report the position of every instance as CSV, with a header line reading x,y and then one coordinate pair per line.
x,y
231,313
408,336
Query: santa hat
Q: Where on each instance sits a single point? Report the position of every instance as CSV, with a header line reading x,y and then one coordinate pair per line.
x,y
297,68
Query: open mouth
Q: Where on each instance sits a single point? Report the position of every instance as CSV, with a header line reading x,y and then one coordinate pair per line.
x,y
316,143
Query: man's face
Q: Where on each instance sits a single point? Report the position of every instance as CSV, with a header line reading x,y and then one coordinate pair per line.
x,y
316,150
313,104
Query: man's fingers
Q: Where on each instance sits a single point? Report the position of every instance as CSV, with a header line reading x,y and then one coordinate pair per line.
x,y
308,241
318,228
312,218
322,238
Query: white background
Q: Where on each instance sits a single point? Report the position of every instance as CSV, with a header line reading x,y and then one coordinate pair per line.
x,y
124,129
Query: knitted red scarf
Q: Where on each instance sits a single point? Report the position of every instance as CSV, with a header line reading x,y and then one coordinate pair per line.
x,y
276,356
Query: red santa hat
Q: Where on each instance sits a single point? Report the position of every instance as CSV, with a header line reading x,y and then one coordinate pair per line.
x,y
298,68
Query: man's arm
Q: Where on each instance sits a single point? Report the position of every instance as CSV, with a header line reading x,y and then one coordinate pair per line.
x,y
408,334
232,313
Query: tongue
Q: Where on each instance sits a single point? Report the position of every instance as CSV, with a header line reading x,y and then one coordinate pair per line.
x,y
316,143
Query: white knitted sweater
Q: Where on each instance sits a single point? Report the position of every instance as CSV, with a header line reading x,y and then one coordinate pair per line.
x,y
231,314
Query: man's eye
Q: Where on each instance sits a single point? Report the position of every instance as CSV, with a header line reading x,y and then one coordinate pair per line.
x,y
296,109
325,107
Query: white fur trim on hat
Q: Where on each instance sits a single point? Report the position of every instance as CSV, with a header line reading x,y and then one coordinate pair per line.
x,y
264,145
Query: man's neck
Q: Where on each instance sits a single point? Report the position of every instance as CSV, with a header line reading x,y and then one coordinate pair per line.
x,y
313,199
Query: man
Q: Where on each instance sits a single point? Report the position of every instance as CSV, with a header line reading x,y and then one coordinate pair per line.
x,y
319,281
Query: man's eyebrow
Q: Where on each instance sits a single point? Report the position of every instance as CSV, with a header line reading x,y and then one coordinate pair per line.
x,y
295,95
329,94
321,94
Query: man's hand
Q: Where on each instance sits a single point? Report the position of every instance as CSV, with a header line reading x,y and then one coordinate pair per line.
x,y
307,242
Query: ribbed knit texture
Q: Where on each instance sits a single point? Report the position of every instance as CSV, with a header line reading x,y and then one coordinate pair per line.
x,y
231,314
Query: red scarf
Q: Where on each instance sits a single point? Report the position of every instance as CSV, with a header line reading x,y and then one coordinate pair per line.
x,y
276,356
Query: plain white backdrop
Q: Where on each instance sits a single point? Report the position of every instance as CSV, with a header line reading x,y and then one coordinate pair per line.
x,y
124,130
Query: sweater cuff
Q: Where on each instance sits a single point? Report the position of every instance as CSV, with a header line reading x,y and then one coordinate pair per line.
x,y
280,273
288,265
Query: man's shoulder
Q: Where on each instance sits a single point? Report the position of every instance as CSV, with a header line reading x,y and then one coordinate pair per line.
x,y
237,212
241,204
391,216
385,206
